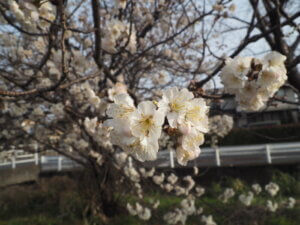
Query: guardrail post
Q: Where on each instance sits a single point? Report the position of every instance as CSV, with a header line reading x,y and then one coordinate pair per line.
x,y
13,162
36,158
172,158
59,166
217,153
268,154
36,154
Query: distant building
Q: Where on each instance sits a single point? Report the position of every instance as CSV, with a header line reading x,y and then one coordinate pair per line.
x,y
281,113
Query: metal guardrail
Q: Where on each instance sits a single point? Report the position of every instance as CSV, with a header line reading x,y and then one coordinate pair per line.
x,y
58,163
280,153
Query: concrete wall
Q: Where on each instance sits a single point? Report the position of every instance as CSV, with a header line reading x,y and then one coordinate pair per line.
x,y
21,174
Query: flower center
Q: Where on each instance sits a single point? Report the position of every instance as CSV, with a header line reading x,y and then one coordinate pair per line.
x,y
235,80
176,106
146,123
241,68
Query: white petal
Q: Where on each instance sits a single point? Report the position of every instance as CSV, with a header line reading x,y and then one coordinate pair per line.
x,y
188,95
124,99
155,133
146,108
172,119
171,93
147,151
159,117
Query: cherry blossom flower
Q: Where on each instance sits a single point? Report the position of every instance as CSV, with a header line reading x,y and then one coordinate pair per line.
x,y
246,199
272,188
272,206
208,220
228,193
254,81
174,103
256,188
146,122
290,203
122,108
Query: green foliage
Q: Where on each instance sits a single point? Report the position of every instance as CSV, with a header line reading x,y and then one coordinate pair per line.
x,y
125,219
237,184
215,188
56,201
55,198
38,220
282,220
287,183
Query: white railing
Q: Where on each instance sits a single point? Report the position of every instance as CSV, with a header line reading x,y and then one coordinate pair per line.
x,y
14,157
46,163
281,153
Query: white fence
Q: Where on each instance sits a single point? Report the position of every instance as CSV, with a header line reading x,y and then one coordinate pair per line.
x,y
280,153
13,157
18,158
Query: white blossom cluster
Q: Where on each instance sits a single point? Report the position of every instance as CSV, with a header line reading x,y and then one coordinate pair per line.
x,y
132,174
174,217
246,199
172,183
290,203
145,173
72,140
160,78
124,164
120,158
27,14
220,126
96,130
272,206
159,179
119,34
143,213
172,178
118,88
226,195
137,129
189,116
97,156
190,183
256,188
156,204
272,188
254,81
199,191
187,205
208,220
100,133
187,208
87,97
